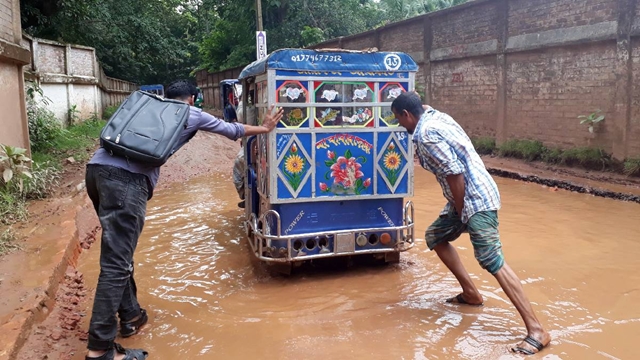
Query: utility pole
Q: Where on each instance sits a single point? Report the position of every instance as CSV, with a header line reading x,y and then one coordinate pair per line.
x,y
259,14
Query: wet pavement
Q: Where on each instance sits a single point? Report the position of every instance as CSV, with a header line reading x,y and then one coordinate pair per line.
x,y
577,255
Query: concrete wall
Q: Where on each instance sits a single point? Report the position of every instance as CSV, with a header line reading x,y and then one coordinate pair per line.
x,y
526,68
71,77
14,130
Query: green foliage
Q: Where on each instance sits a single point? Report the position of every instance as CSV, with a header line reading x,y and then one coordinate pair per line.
x,y
312,35
14,170
144,41
552,156
12,207
109,111
484,145
43,125
78,141
14,166
44,180
632,167
522,149
586,157
592,119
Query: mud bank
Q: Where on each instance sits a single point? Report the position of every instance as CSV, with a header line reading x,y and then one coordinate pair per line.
x,y
32,277
565,185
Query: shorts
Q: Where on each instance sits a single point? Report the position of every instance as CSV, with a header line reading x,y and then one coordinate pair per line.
x,y
483,231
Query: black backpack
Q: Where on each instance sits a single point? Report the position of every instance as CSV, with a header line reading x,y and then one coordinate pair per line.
x,y
145,128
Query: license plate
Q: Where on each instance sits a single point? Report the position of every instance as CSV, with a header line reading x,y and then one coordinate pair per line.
x,y
345,243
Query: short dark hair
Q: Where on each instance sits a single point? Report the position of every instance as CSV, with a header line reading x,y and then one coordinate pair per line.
x,y
180,89
409,101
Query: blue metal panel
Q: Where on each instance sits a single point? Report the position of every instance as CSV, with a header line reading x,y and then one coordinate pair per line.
x,y
322,60
300,218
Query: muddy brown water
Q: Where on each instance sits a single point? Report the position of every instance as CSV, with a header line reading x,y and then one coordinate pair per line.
x,y
577,256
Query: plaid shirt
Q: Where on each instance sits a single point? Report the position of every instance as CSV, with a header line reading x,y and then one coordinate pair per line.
x,y
445,149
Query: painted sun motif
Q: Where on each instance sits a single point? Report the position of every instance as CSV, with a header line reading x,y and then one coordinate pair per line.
x,y
294,164
392,160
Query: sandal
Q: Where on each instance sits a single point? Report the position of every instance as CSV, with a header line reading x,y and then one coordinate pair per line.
x,y
130,328
459,300
531,341
129,354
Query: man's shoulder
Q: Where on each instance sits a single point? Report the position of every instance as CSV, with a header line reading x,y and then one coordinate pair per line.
x,y
194,111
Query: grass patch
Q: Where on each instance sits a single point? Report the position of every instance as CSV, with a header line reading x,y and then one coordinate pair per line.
x,y
8,239
13,207
109,111
552,156
529,150
76,141
631,167
484,145
589,158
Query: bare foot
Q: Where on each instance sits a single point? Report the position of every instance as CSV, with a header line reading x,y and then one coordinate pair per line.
x,y
464,299
533,343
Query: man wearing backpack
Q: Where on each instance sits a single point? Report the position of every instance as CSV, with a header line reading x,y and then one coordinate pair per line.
x,y
119,189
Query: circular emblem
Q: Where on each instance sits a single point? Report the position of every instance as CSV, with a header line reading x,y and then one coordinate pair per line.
x,y
392,62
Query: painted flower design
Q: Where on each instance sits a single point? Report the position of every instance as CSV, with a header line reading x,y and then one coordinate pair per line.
x,y
294,164
391,162
293,167
331,155
295,117
346,174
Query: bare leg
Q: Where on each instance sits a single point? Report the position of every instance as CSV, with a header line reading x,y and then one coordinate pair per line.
x,y
511,285
449,256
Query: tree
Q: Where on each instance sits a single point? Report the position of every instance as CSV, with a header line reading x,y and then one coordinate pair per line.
x,y
145,41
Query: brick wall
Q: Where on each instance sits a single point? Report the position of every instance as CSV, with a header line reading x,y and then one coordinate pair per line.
x,y
471,25
6,20
466,89
548,89
408,38
634,146
531,16
360,43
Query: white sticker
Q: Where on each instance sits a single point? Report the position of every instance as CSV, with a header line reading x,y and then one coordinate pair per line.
x,y
293,93
330,95
394,93
392,62
360,94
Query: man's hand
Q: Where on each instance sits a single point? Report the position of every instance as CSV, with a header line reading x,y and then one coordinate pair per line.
x,y
270,119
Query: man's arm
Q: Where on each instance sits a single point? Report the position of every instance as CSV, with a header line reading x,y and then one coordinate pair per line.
x,y
456,184
236,130
447,163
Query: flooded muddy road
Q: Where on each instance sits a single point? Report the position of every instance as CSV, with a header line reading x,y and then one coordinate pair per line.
x,y
578,257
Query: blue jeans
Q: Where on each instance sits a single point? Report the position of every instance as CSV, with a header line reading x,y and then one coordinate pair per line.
x,y
120,200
